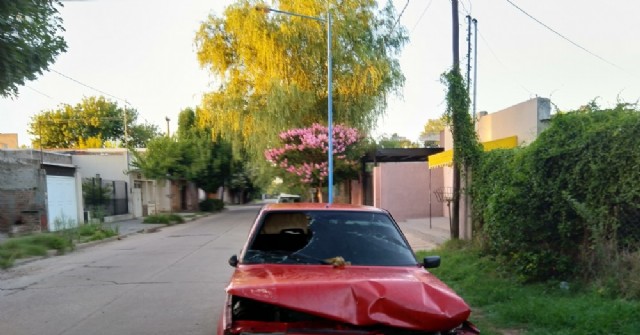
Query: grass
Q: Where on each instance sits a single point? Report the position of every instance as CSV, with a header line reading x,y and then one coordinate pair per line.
x,y
168,219
33,245
502,305
39,244
93,232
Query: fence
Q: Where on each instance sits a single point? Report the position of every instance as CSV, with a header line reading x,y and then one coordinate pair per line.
x,y
104,197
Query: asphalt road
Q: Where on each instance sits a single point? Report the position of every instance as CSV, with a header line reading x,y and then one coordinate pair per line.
x,y
168,282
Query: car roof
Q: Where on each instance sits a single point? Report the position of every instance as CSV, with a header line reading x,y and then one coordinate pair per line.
x,y
298,206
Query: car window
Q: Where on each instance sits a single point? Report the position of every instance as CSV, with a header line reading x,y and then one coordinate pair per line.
x,y
314,237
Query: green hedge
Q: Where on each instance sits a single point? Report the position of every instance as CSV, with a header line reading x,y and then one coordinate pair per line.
x,y
568,203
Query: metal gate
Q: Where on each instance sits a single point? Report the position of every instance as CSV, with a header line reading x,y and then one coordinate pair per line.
x,y
104,197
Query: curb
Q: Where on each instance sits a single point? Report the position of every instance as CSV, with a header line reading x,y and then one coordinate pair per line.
x,y
80,246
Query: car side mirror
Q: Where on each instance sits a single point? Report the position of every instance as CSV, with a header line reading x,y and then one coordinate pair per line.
x,y
233,261
431,262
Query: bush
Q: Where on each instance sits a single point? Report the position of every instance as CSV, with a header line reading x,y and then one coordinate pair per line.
x,y
567,204
211,205
164,219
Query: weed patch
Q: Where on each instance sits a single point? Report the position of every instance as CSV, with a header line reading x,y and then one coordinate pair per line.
x,y
62,241
551,307
33,245
168,219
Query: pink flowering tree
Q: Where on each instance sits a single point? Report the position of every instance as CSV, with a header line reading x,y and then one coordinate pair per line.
x,y
303,154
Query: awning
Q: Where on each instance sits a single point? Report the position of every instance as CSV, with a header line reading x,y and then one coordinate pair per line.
x,y
445,158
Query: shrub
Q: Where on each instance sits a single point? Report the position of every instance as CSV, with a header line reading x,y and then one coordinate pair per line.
x,y
211,205
568,203
164,219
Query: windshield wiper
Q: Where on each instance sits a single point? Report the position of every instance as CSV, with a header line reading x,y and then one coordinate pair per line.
x,y
306,259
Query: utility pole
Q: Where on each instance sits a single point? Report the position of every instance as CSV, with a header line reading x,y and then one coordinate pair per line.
x,y
456,34
126,135
468,51
455,215
475,67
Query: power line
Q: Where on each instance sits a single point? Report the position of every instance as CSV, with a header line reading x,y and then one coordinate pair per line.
x,y
399,16
566,38
502,64
39,92
465,7
420,18
90,87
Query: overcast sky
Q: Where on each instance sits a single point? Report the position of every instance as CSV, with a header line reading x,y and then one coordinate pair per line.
x,y
142,51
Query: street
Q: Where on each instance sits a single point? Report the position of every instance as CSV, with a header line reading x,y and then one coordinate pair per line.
x,y
168,282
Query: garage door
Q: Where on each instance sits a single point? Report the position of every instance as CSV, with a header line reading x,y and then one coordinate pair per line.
x,y
62,202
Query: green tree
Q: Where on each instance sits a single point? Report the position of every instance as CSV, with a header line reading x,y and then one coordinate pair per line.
x,y
430,135
191,155
395,141
272,68
241,184
93,123
30,41
141,134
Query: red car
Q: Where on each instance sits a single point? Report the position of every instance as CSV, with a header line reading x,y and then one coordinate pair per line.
x,y
336,269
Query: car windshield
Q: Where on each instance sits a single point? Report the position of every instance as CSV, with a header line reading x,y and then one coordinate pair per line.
x,y
321,237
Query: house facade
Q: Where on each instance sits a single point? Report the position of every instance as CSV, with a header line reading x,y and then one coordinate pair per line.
x,y
140,195
9,141
39,191
52,190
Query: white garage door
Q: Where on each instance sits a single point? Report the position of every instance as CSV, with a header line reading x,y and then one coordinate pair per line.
x,y
61,199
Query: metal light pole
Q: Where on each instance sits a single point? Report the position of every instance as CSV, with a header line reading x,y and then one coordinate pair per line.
x,y
327,20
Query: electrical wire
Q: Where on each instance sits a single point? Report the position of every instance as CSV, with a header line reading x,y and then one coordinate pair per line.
x,y
39,92
399,16
502,64
465,7
420,18
90,87
565,38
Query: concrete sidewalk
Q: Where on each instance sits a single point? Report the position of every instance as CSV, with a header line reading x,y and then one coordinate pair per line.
x,y
134,226
426,233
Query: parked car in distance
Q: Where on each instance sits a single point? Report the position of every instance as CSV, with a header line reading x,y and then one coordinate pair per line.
x,y
286,198
336,269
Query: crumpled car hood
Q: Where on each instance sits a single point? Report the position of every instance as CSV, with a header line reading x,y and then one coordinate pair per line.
x,y
404,297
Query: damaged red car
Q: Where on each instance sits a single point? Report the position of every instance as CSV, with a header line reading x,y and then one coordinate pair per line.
x,y
336,269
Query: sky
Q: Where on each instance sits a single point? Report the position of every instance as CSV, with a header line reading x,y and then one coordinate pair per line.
x,y
142,52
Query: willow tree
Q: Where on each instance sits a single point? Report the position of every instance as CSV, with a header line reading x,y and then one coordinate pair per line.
x,y
271,68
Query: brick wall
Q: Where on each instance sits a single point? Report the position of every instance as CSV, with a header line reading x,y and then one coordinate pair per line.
x,y
22,195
